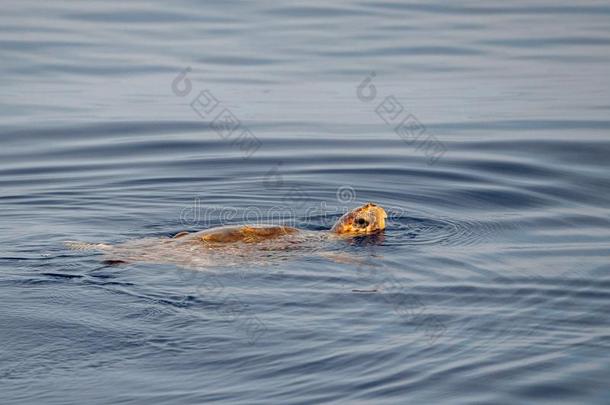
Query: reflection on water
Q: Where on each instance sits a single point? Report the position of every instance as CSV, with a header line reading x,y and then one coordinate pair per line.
x,y
481,128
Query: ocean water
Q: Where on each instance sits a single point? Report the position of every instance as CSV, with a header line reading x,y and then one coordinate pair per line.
x,y
483,128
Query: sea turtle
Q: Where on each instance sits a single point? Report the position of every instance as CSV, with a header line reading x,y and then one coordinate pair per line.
x,y
246,243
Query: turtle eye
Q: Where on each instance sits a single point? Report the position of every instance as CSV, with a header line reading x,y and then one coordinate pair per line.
x,y
362,222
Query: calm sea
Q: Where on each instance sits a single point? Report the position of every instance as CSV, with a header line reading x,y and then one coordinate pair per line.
x,y
483,128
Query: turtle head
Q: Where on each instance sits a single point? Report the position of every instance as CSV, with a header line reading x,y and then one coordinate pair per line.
x,y
364,220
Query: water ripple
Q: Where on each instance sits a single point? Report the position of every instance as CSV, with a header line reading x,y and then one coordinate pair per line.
x,y
494,263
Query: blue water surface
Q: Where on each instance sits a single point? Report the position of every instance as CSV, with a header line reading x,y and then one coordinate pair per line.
x,y
482,128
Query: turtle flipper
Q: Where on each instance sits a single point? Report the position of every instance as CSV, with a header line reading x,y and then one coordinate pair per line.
x,y
74,245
